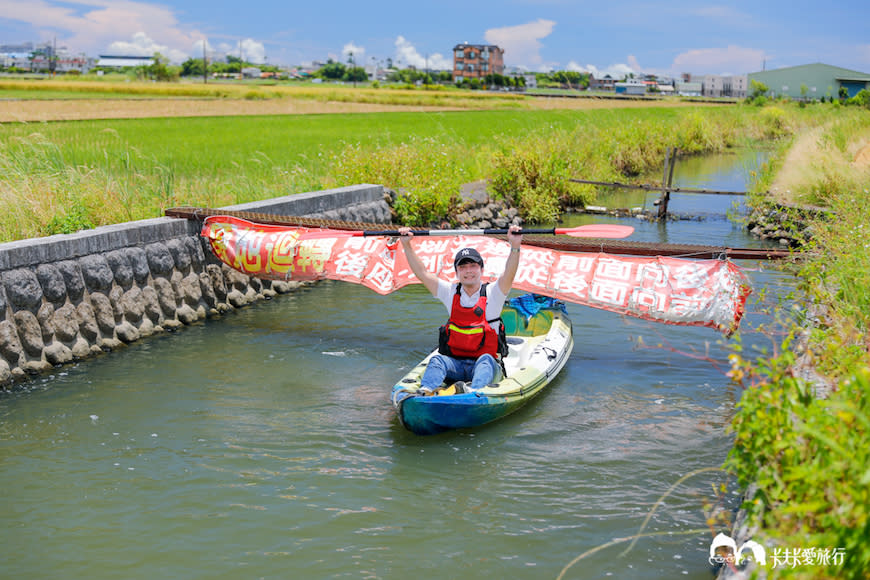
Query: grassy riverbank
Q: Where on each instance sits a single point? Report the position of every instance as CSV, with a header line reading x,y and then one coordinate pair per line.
x,y
808,453
61,176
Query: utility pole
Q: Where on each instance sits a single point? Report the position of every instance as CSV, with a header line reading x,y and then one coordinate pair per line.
x,y
204,64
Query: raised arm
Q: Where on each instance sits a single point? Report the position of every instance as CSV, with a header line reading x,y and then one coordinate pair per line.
x,y
506,279
429,280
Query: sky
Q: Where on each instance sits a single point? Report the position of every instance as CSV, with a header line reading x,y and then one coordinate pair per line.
x,y
617,37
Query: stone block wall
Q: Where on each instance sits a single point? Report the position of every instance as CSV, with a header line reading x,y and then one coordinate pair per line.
x,y
69,297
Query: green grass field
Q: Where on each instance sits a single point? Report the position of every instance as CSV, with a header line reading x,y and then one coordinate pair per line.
x,y
115,170
60,176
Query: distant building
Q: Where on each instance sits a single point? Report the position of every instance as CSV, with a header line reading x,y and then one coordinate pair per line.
x,y
724,86
119,62
811,81
740,86
62,63
630,87
712,85
688,89
19,60
605,83
475,61
733,86
45,58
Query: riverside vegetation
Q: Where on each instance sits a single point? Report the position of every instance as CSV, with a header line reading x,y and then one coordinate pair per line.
x,y
61,176
805,445
807,455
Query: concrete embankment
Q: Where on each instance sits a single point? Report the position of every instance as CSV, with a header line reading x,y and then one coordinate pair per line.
x,y
69,297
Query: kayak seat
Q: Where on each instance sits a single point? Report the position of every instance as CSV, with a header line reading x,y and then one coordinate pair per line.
x,y
512,321
517,325
540,323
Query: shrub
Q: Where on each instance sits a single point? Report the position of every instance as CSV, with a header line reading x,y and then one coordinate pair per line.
x,y
809,458
427,173
76,217
534,176
862,99
774,122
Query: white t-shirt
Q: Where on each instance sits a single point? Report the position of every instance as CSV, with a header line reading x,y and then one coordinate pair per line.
x,y
495,299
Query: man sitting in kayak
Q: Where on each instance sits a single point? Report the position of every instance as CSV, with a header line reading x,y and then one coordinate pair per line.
x,y
468,346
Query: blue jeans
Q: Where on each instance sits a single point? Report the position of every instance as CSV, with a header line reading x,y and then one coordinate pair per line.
x,y
480,372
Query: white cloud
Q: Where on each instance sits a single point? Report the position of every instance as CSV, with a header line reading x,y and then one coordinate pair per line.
x,y
358,53
730,60
248,50
142,45
102,26
521,44
617,71
407,55
253,51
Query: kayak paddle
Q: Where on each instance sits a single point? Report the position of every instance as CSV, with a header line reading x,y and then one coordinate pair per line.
x,y
588,231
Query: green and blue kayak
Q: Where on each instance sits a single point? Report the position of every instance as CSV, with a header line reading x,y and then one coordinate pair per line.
x,y
540,341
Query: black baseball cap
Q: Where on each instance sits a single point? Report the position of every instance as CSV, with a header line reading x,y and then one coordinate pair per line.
x,y
467,255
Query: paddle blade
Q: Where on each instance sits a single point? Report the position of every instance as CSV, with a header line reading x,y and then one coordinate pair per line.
x,y
612,231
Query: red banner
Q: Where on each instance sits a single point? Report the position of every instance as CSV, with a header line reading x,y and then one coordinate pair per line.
x,y
670,290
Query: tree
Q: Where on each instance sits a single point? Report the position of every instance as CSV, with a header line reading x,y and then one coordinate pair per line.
x,y
332,70
234,64
159,68
355,74
757,89
192,67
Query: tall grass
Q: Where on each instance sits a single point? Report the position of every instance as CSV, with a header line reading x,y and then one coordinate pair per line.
x,y
807,456
109,171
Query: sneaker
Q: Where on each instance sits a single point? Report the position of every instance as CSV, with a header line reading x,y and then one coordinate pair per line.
x,y
425,391
460,387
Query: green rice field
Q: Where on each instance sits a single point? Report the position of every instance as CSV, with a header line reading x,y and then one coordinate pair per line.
x,y
65,175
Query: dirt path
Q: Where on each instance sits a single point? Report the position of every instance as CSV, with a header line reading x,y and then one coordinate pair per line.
x,y
795,166
862,159
30,111
800,165
80,109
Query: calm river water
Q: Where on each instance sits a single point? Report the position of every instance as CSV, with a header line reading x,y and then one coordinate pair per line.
x,y
264,445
